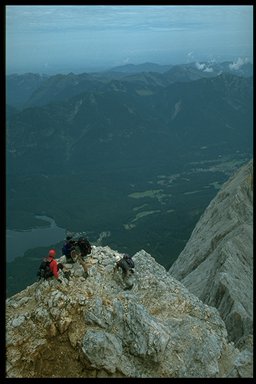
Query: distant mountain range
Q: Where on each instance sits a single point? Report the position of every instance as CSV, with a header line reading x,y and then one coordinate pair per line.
x,y
145,67
125,118
33,89
242,69
137,155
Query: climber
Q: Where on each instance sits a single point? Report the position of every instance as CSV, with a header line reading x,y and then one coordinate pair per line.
x,y
49,267
67,248
126,264
54,266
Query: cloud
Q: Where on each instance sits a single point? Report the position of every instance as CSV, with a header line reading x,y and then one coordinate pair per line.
x,y
199,66
208,69
110,34
203,67
236,65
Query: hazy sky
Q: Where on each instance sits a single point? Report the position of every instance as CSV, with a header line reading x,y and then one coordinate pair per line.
x,y
59,38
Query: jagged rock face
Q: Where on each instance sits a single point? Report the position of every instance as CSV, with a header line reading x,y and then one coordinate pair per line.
x,y
217,262
93,327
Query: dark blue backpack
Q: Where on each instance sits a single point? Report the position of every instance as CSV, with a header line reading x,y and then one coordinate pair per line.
x,y
66,249
44,271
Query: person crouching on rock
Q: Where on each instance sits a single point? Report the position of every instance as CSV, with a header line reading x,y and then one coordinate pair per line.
x,y
126,264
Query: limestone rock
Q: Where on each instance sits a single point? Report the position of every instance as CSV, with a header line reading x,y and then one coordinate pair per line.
x,y
217,262
92,327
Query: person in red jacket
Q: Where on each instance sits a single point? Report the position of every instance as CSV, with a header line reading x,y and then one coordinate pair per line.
x,y
53,264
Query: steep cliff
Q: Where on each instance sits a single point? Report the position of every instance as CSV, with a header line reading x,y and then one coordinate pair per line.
x,y
217,262
93,327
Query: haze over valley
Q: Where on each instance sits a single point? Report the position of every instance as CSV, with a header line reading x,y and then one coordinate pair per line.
x,y
131,157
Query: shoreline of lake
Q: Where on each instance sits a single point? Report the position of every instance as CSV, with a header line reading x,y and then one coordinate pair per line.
x,y
19,241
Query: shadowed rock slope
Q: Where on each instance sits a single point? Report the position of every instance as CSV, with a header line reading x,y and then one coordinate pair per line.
x,y
217,262
93,327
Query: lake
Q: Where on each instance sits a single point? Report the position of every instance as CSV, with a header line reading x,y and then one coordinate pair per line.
x,y
18,242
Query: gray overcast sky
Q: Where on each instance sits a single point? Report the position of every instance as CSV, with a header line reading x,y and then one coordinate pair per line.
x,y
59,38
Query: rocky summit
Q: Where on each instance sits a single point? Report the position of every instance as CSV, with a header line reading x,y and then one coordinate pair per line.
x,y
94,327
97,324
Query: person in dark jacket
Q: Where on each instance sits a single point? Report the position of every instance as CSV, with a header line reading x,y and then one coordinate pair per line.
x,y
67,248
126,264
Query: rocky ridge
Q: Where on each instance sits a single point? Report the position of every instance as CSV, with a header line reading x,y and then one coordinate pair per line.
x,y
217,261
91,326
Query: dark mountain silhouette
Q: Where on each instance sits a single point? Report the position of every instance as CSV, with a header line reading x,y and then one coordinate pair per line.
x,y
63,87
19,88
30,90
138,157
136,124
